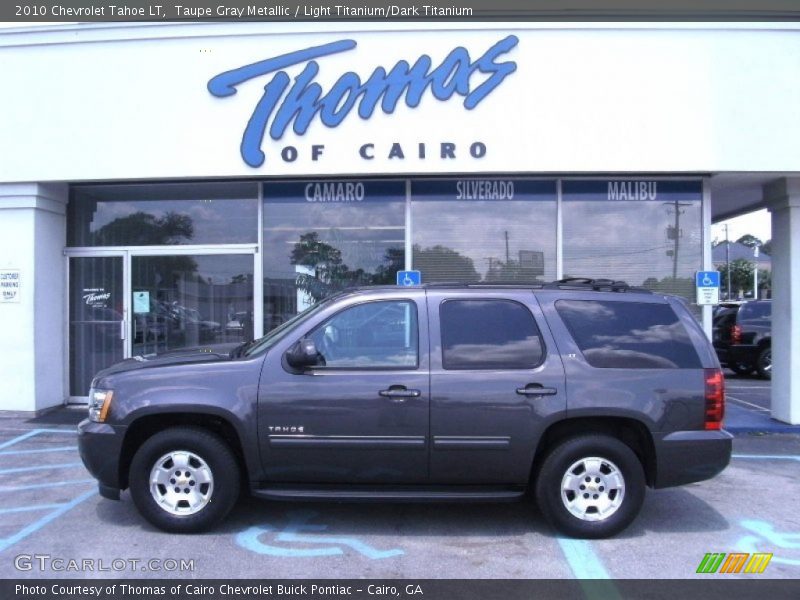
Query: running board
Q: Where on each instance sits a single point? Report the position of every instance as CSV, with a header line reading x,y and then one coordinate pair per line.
x,y
361,494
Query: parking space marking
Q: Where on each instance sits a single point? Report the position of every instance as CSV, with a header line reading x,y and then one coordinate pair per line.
x,y
32,433
31,508
37,525
585,564
55,509
740,401
37,451
768,456
749,387
37,486
40,468
766,531
582,559
292,533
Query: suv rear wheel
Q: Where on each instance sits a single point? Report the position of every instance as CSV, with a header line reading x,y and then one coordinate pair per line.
x,y
591,486
741,368
184,479
764,363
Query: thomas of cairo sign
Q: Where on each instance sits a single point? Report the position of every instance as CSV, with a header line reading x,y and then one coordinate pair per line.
x,y
295,103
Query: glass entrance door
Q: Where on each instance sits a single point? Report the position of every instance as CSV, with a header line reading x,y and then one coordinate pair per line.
x,y
96,317
126,303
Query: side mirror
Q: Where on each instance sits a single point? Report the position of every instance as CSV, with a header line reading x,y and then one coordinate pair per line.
x,y
302,354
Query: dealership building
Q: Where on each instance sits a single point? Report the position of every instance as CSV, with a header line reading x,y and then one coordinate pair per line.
x,y
181,184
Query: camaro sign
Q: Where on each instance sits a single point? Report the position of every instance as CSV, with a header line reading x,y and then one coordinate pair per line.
x,y
295,103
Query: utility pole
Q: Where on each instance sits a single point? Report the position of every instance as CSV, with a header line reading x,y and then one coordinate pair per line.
x,y
674,233
508,254
755,271
728,261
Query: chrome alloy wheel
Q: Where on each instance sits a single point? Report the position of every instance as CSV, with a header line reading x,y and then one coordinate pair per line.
x,y
181,483
592,489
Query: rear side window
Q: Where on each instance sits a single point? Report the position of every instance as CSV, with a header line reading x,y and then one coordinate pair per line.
x,y
489,334
756,311
628,335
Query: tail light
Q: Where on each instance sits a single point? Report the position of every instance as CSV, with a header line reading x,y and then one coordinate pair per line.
x,y
715,398
736,334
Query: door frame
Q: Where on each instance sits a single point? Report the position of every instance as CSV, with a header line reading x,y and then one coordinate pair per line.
x,y
127,254
97,253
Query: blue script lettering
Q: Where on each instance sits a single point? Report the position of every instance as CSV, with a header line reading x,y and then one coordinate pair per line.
x,y
299,104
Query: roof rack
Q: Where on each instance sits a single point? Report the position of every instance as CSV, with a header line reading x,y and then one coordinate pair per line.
x,y
569,283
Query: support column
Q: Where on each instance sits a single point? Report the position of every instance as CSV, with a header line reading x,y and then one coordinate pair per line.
x,y
32,321
783,197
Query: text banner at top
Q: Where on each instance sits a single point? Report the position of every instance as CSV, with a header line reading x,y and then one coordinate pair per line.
x,y
401,10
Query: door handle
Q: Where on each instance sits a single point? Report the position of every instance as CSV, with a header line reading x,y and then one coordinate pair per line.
x,y
536,389
122,329
399,393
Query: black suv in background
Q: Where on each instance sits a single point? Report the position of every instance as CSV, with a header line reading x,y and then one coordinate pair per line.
x,y
583,392
743,337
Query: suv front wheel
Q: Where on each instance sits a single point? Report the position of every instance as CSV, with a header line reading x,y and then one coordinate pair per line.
x,y
184,479
591,486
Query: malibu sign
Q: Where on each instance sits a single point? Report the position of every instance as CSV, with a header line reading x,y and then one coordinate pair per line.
x,y
295,103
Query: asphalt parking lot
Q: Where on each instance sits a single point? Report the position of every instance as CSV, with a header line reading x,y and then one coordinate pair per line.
x,y
49,507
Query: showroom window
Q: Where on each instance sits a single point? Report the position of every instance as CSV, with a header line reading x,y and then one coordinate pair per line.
x,y
321,237
645,232
470,230
162,214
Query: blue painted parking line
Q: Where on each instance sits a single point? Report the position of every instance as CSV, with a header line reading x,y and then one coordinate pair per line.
x,y
37,451
585,564
37,525
32,433
37,486
582,559
39,468
55,510
18,509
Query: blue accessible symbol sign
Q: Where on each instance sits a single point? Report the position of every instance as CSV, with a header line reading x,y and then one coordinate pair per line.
x,y
707,284
409,278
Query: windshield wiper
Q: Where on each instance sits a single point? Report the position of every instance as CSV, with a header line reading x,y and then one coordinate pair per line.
x,y
241,349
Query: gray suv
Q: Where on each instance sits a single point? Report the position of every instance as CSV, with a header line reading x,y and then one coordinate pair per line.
x,y
583,392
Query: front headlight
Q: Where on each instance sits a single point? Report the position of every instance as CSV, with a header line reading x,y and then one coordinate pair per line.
x,y
99,403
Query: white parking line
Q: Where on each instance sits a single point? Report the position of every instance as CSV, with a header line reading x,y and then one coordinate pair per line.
x,y
749,387
740,401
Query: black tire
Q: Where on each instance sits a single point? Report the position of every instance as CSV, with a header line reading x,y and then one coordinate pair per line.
x,y
214,454
741,368
764,363
561,458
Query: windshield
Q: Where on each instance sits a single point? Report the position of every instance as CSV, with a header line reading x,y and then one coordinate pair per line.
x,y
266,342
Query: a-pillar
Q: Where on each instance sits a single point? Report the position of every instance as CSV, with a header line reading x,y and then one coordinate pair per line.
x,y
32,292
783,198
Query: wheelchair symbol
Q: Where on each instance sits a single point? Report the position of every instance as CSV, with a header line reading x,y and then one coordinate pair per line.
x,y
408,281
310,545
707,281
766,532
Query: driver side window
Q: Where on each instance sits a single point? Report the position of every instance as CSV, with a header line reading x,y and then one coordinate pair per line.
x,y
369,336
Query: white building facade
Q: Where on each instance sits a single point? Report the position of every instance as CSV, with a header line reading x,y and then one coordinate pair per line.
x,y
179,184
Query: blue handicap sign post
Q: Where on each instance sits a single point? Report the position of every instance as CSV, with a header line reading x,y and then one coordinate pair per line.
x,y
707,284
408,278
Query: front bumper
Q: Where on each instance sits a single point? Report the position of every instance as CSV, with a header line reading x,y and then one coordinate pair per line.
x,y
687,456
100,447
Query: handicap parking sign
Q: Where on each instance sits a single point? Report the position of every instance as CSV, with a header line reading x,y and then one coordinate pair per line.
x,y
707,279
707,284
409,278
